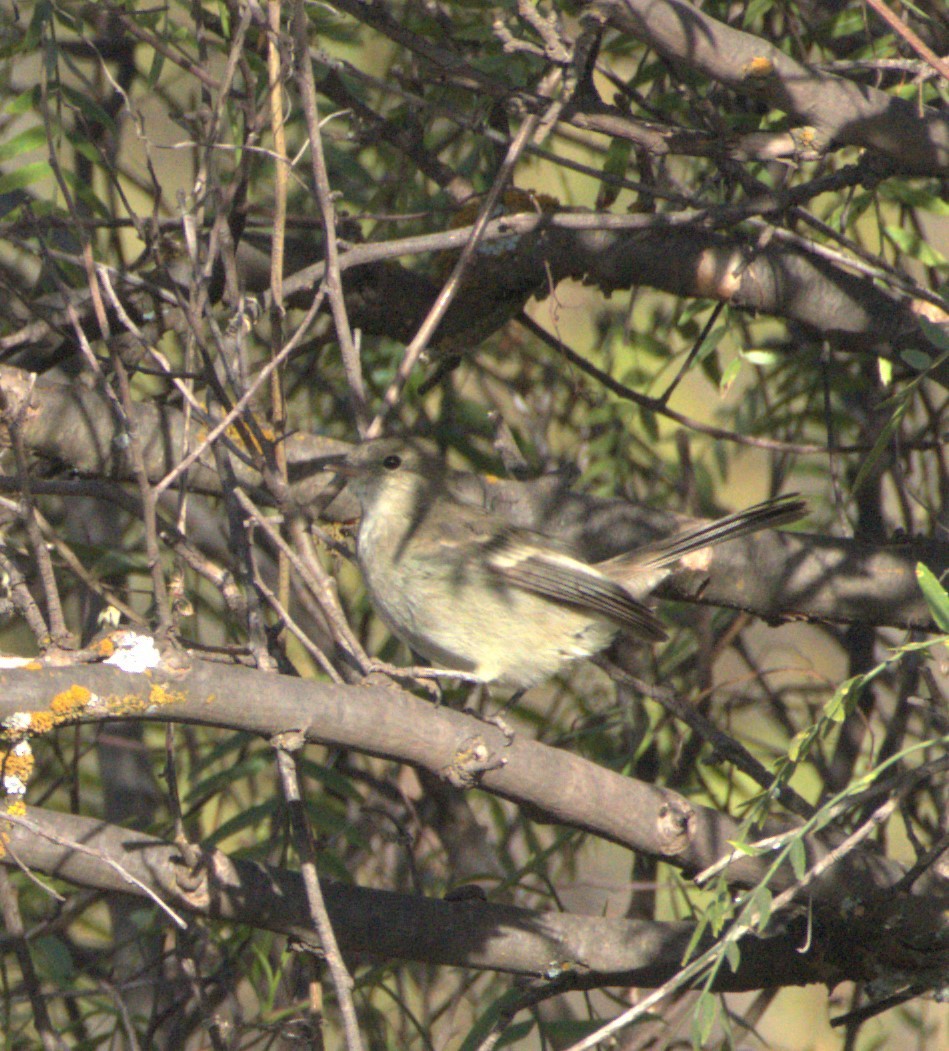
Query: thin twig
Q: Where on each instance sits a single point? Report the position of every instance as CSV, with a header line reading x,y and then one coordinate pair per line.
x,y
148,494
324,196
919,46
242,402
452,286
13,415
725,746
13,922
312,575
284,746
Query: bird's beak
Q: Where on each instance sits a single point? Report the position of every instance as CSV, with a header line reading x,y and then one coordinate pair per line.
x,y
338,464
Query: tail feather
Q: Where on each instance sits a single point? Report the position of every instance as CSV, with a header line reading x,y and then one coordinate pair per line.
x,y
766,515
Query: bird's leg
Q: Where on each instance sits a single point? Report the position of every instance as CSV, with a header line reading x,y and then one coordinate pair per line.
x,y
428,678
497,719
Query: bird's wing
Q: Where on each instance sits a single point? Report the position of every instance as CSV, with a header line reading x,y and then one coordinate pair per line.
x,y
536,564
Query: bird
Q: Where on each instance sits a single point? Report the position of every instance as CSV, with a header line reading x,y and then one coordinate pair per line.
x,y
472,592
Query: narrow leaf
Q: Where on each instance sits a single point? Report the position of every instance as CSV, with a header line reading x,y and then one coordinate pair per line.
x,y
935,595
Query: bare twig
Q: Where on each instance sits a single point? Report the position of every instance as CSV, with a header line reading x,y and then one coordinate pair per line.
x,y
451,287
285,745
940,65
13,415
13,922
324,197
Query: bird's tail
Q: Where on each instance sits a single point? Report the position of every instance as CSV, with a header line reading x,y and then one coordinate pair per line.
x,y
766,515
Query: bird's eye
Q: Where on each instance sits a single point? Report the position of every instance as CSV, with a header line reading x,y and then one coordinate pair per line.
x,y
390,463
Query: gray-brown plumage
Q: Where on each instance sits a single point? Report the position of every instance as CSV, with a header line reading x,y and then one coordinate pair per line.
x,y
471,592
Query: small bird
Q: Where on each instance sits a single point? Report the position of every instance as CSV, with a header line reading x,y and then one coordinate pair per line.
x,y
471,592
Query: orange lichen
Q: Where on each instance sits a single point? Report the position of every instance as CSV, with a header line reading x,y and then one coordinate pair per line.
x,y
77,701
17,765
105,647
244,437
128,704
15,808
758,68
41,722
70,701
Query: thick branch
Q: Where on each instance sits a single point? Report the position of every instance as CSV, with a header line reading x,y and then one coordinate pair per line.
x,y
841,112
556,785
381,924
676,254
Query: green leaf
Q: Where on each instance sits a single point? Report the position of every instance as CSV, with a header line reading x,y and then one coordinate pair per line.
x,y
155,69
704,1017
488,1020
873,456
649,424
760,903
910,242
929,200
732,954
569,1031
935,595
23,103
616,164
711,342
730,375
938,335
762,358
801,742
797,855
25,176
845,697
57,961
744,848
89,107
31,139
249,818
514,1034
253,765
916,359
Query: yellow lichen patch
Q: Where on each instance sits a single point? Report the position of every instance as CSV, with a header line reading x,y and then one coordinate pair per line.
x,y
77,701
161,695
33,666
18,763
15,808
758,68
41,722
70,701
129,704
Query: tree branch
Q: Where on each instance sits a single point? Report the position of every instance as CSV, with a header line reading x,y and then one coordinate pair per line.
x,y
557,786
588,951
841,113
